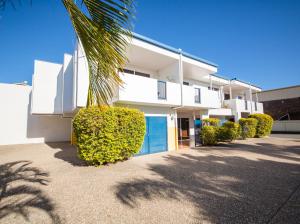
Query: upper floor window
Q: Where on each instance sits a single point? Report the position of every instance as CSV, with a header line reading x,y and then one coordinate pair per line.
x,y
127,71
246,105
142,74
161,90
186,83
226,96
197,95
214,89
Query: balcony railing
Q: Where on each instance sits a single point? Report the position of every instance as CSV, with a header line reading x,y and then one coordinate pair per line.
x,y
138,89
200,97
241,105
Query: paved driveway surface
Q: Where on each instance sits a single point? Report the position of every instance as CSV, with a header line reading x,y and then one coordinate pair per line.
x,y
253,181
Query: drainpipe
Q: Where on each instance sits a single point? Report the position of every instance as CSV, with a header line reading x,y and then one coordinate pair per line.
x,y
180,68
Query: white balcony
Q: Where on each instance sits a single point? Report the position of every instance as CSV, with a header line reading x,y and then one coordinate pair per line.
x,y
142,90
208,98
239,105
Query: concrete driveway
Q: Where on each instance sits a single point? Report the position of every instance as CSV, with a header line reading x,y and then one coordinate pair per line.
x,y
252,181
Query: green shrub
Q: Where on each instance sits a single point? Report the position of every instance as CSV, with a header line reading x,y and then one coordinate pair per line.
x,y
108,134
229,131
209,135
248,127
211,121
264,124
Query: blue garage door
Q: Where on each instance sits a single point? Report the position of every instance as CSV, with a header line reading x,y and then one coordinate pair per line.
x,y
156,136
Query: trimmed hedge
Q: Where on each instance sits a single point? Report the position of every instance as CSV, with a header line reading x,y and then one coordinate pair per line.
x,y
211,121
229,131
209,135
264,124
248,127
108,134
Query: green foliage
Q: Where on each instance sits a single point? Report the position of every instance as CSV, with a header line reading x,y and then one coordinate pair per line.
x,y
108,134
248,127
229,131
211,121
264,124
103,30
209,135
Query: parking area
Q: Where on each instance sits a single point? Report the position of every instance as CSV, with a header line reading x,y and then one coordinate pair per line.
x,y
249,181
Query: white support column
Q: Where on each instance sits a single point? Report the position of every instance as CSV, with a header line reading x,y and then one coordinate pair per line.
x,y
181,76
210,80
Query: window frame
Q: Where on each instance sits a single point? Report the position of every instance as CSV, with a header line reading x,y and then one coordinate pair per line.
x,y
165,92
197,100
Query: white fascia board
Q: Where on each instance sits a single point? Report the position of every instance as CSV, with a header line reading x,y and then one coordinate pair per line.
x,y
242,84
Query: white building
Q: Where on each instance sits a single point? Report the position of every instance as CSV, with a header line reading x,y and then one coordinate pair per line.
x,y
174,89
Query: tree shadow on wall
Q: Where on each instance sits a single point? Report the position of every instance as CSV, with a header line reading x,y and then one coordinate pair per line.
x,y
20,192
224,189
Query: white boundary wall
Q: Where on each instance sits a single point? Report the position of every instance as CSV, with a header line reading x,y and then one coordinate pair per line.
x,y
18,126
286,126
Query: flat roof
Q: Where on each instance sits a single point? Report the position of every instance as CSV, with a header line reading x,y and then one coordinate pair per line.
x,y
178,51
288,87
172,49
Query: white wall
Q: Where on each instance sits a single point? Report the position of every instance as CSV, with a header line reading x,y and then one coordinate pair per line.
x,y
141,90
286,126
68,79
18,126
81,77
47,84
170,73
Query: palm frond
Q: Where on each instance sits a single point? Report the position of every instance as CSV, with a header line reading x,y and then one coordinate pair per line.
x,y
103,34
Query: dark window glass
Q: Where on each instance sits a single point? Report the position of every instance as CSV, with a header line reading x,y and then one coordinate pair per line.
x,y
226,96
127,71
142,74
255,105
161,90
186,83
246,105
197,95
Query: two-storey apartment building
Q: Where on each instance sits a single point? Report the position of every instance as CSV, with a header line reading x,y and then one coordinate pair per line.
x,y
174,89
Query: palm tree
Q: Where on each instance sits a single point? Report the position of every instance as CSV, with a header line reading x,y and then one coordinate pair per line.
x,y
104,33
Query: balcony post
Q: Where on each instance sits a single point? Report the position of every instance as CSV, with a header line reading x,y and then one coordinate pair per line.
x,y
180,67
250,93
230,91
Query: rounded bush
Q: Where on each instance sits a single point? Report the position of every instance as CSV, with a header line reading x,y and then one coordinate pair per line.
x,y
108,134
209,135
229,131
264,124
248,127
211,121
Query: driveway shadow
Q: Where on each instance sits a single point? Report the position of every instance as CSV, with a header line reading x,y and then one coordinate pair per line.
x,y
225,189
67,152
20,192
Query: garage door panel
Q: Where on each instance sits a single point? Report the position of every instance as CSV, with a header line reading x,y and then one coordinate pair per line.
x,y
156,135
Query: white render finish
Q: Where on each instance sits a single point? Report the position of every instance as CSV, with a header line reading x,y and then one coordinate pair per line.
x,y
142,90
47,84
19,126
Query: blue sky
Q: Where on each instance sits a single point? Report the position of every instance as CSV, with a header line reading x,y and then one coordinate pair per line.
x,y
256,41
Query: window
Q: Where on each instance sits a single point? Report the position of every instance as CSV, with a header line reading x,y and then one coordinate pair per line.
x,y
161,90
226,96
246,105
127,71
197,95
213,88
239,97
142,74
186,83
255,105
